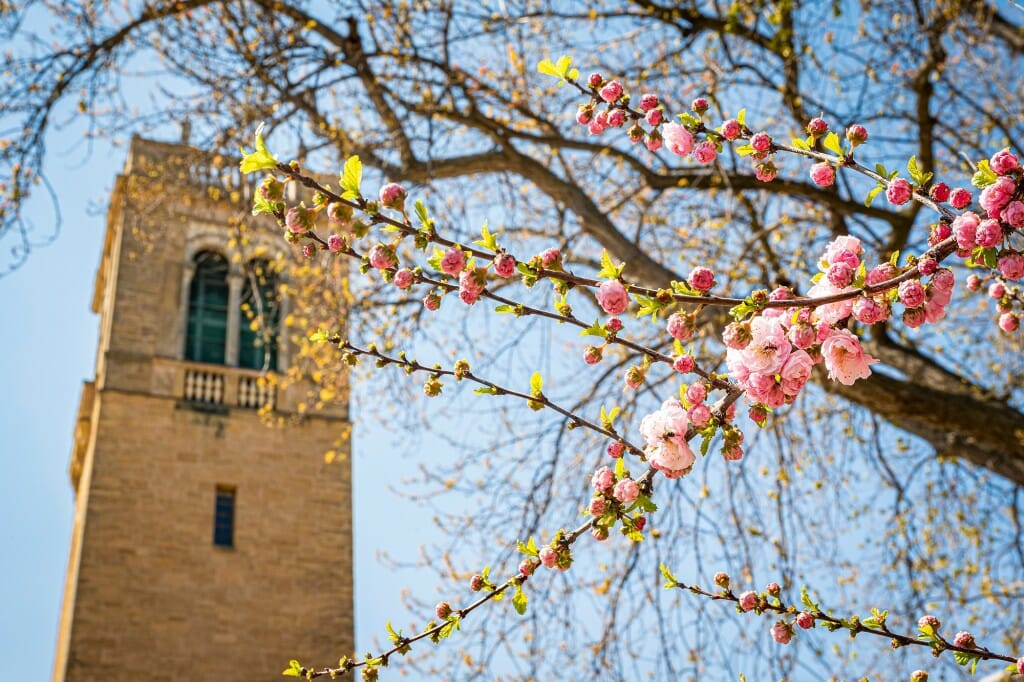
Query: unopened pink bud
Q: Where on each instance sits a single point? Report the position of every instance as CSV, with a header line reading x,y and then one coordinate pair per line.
x,y
443,610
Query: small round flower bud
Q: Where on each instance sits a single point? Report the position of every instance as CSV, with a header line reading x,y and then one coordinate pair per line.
x,y
504,265
805,620
615,449
782,632
761,142
731,129
335,243
1009,323
548,557
823,174
599,533
928,621
683,364
748,600
654,117
431,301
964,640
403,278
758,414
611,91
927,265
308,250
919,676
773,589
526,568
443,610
640,523
648,102
613,324
592,355
700,105
722,580
817,127
594,80
392,195
960,198
939,192
856,134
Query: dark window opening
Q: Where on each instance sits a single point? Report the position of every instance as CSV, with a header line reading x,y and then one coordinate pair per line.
x,y
224,517
259,319
208,309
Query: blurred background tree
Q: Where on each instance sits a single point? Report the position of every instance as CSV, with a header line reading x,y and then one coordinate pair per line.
x,y
902,491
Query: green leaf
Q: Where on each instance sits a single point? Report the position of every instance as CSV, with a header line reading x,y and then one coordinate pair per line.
x,y
262,205
596,329
486,390
608,269
872,194
319,336
519,600
421,213
744,150
880,169
741,117
536,384
294,669
805,599
894,259
351,178
914,171
648,306
831,143
670,580
528,548
620,468
705,443
505,308
261,159
801,144
688,119
561,70
487,240
984,176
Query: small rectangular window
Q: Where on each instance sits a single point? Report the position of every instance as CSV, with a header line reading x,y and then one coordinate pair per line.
x,y
224,517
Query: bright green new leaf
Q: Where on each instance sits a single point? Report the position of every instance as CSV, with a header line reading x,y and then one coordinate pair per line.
x,y
872,194
487,239
560,70
294,669
984,176
351,178
261,205
319,336
741,117
536,384
261,159
801,144
831,143
519,600
421,212
670,580
596,329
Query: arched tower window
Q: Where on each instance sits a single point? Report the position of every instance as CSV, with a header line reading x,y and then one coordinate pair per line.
x,y
208,309
260,315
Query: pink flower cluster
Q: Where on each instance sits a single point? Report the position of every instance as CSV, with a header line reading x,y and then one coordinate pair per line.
x,y
664,433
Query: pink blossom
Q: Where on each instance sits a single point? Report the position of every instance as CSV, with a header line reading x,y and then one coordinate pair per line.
x,y
653,141
898,192
926,622
767,351
705,152
634,377
700,105
392,195
939,192
696,393
603,479
805,620
612,297
927,265
548,557
699,415
964,640
796,371
857,134
737,335
431,301
527,567
701,279
476,583
817,127
1020,665
748,600
453,261
338,212
845,360
626,491
551,259
722,580
654,117
731,129
611,91
802,335
1011,266
911,293
680,326
782,632
758,414
443,610
960,198
830,313
761,142
683,364
382,257
335,243
403,278
613,324
468,296
678,139
616,117
965,227
766,172
997,195
595,79
504,265
996,290
869,311
584,114
879,274
838,248
300,219
1009,322
1003,162
648,102
915,317
665,434
823,174
840,275
309,250
597,506
973,282
944,279
615,449
1014,214
592,355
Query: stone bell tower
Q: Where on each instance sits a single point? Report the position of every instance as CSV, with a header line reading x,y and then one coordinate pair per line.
x,y
206,545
